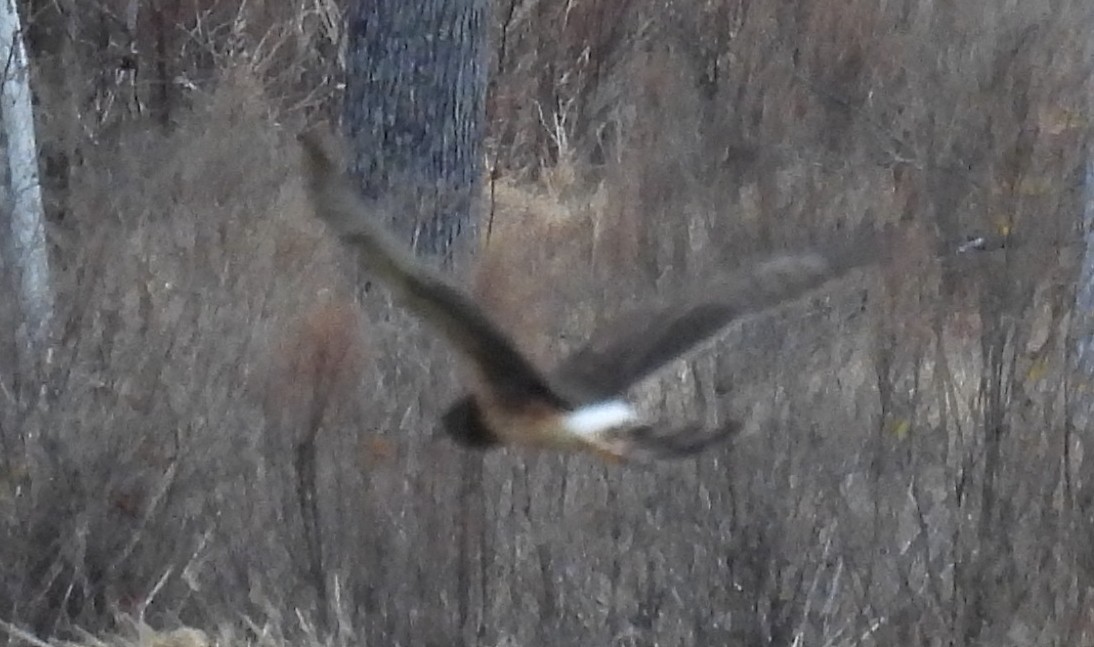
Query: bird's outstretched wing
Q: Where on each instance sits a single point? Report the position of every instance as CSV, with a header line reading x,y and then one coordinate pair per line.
x,y
505,371
629,349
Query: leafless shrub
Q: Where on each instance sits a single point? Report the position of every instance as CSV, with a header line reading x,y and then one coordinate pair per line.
x,y
169,290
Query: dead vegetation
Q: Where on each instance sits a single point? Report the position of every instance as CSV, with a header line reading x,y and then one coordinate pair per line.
x,y
915,468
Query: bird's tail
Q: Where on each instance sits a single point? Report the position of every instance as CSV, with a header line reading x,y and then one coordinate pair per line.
x,y
646,444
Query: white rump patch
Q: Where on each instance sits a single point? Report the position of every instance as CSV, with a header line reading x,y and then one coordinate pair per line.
x,y
595,419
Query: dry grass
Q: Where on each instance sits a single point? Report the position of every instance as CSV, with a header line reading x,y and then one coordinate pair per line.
x,y
227,428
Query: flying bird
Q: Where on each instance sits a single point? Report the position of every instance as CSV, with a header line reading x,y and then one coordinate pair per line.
x,y
579,404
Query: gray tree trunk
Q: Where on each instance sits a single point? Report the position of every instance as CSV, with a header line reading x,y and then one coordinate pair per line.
x,y
1081,407
24,196
414,112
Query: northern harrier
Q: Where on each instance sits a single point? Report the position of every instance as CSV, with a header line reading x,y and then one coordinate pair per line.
x,y
579,404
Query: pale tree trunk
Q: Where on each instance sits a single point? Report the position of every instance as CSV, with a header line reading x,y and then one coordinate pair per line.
x,y
1081,405
1084,297
415,96
24,196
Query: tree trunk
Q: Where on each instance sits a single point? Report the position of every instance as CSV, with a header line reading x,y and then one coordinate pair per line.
x,y
24,198
415,95
414,113
1082,407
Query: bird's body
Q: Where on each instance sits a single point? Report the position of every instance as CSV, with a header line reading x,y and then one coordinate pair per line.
x,y
579,404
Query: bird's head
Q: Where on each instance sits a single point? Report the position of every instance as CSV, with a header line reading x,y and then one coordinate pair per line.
x,y
463,423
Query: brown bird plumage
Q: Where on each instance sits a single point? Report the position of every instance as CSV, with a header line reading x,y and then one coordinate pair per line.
x,y
577,405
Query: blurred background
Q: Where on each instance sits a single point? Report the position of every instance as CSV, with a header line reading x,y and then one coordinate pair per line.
x,y
229,427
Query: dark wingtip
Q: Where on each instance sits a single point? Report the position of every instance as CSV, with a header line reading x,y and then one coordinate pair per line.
x,y
320,154
866,245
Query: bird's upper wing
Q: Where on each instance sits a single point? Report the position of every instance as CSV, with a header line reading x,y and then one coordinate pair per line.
x,y
502,367
627,350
